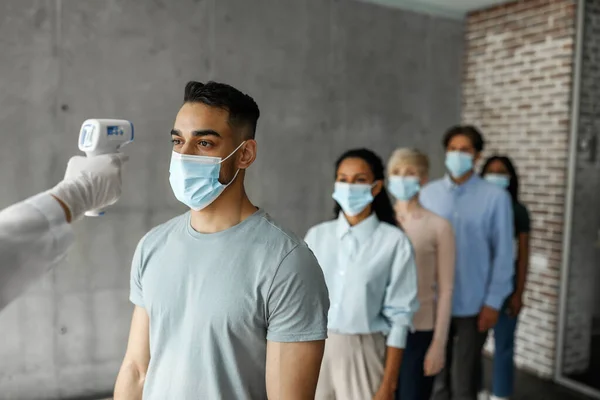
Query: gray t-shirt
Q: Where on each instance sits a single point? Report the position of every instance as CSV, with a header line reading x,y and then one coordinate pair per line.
x,y
215,299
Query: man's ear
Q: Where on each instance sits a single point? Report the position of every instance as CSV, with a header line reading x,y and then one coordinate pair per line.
x,y
247,154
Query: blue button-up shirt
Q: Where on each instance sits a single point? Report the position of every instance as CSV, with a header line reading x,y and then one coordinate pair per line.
x,y
482,217
371,276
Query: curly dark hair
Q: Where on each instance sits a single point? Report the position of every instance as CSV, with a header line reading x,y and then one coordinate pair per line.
x,y
382,206
513,186
469,131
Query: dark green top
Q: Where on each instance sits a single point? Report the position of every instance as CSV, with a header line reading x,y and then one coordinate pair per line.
x,y
522,221
522,225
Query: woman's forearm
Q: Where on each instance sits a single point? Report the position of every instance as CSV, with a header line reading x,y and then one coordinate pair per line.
x,y
393,360
522,263
442,318
445,282
522,266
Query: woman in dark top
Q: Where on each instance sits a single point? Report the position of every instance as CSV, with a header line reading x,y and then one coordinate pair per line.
x,y
500,171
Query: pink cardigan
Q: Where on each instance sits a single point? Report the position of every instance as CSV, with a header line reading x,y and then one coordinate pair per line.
x,y
432,238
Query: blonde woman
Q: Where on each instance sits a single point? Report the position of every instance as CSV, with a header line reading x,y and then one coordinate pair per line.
x,y
433,242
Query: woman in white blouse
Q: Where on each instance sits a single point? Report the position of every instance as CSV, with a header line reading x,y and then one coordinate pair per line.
x,y
371,276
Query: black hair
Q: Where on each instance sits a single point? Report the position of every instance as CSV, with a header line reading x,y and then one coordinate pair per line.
x,y
243,110
382,206
469,131
513,186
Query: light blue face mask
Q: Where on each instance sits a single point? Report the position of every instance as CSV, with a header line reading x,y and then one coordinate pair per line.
x,y
404,188
353,198
458,163
195,179
498,179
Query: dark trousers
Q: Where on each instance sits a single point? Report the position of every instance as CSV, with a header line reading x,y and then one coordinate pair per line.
x,y
503,373
459,380
412,382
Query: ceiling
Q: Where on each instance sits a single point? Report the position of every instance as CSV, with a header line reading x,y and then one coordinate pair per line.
x,y
444,8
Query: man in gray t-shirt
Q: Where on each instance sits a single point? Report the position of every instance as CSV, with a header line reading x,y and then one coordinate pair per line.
x,y
228,305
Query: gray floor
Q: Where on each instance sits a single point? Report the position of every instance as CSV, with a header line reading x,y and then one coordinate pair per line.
x,y
530,387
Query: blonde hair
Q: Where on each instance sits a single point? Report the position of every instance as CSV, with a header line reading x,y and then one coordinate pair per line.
x,y
406,156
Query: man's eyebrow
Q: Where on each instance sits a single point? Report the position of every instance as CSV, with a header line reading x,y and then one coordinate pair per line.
x,y
203,132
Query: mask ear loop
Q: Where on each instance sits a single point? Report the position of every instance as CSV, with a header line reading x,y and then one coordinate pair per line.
x,y
233,152
375,184
236,172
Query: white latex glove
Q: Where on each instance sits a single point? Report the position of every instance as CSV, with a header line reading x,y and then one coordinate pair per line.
x,y
435,359
90,183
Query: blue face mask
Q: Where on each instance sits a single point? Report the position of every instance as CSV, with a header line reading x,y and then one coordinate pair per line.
x,y
195,179
458,163
498,179
404,188
353,198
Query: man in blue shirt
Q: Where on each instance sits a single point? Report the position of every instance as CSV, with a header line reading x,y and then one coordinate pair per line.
x,y
481,215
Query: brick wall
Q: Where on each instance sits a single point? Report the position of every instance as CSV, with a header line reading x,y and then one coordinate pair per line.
x,y
517,89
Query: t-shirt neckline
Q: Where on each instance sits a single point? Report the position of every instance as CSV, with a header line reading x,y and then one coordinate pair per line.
x,y
198,235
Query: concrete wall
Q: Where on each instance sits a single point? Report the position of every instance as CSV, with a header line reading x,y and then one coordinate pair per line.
x,y
327,75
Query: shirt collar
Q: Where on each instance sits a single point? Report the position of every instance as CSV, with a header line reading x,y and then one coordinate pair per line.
x,y
363,231
451,185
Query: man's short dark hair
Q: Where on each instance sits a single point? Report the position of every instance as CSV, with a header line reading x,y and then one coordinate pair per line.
x,y
466,130
243,110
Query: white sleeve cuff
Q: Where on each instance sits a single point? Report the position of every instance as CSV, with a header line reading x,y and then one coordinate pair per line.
x,y
397,337
49,207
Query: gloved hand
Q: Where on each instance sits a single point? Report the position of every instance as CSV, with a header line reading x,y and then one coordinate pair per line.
x,y
90,183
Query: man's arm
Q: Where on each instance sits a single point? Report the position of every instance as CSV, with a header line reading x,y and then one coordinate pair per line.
x,y
500,285
297,306
293,369
130,381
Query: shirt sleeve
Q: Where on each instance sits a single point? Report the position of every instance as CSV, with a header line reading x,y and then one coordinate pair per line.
x,y
34,237
135,283
446,259
501,281
400,302
298,300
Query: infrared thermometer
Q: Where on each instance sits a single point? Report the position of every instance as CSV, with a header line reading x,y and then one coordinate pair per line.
x,y
104,136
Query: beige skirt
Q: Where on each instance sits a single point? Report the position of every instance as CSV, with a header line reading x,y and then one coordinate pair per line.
x,y
352,367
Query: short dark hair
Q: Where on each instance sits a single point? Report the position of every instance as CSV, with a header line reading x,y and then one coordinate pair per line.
x,y
243,110
469,131
382,205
